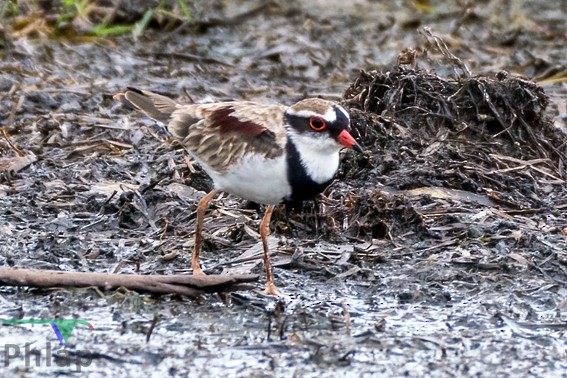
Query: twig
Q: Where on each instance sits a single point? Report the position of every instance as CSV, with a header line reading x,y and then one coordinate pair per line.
x,y
12,145
189,58
188,285
235,20
444,50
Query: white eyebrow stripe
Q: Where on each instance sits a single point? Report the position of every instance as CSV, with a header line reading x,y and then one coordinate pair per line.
x,y
329,116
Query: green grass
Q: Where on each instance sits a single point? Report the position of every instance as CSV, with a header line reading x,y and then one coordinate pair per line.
x,y
72,18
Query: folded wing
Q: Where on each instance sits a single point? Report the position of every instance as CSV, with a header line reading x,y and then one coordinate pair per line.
x,y
218,135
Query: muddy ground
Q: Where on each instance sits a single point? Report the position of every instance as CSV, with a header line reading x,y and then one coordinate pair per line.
x,y
440,252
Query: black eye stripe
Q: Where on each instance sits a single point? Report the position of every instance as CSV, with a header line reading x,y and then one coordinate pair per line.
x,y
298,123
342,118
301,123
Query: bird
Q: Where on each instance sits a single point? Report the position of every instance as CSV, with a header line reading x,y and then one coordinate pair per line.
x,y
261,152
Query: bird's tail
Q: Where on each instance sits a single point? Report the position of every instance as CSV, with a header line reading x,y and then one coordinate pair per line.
x,y
153,105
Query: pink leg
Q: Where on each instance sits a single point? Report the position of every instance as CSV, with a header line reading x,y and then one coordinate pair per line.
x,y
201,209
264,233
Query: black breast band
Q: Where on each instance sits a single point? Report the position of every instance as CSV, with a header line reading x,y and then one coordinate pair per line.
x,y
302,185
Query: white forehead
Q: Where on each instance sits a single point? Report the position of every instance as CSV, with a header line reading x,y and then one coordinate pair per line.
x,y
330,114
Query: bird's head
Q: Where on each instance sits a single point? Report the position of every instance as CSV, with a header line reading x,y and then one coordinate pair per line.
x,y
322,123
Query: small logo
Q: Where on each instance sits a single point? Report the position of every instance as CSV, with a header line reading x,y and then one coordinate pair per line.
x,y
62,328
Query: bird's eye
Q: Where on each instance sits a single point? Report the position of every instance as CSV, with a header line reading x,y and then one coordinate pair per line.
x,y
317,123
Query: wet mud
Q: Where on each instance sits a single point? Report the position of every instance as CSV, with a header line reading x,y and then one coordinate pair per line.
x,y
441,251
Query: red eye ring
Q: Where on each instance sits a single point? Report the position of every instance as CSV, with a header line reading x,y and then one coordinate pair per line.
x,y
317,123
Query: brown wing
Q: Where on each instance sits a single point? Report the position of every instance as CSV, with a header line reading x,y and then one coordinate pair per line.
x,y
219,134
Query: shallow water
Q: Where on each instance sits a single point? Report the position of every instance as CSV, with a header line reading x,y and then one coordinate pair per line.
x,y
408,314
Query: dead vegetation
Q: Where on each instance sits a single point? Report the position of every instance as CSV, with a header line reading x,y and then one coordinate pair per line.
x,y
458,164
448,233
477,133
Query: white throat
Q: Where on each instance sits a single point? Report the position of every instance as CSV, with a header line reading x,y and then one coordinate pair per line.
x,y
319,156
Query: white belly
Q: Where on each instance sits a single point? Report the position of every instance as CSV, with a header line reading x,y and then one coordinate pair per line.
x,y
256,179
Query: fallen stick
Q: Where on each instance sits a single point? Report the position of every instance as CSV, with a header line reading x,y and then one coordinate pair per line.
x,y
188,285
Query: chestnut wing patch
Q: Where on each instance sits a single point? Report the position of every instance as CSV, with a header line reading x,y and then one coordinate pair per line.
x,y
228,123
259,138
222,138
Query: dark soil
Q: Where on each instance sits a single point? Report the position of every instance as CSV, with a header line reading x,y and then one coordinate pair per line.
x,y
441,251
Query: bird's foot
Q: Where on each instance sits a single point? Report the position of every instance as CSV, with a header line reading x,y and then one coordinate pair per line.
x,y
271,289
197,271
